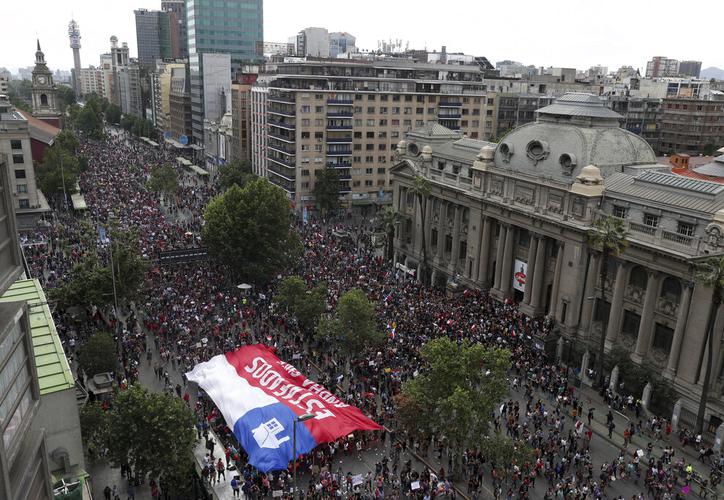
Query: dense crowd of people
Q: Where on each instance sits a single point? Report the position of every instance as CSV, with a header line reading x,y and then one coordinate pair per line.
x,y
193,312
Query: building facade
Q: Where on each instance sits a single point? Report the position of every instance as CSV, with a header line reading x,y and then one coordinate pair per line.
x,y
662,66
513,218
514,110
641,115
259,131
349,115
313,42
45,106
153,37
177,21
241,120
179,101
233,27
341,43
692,126
125,86
690,68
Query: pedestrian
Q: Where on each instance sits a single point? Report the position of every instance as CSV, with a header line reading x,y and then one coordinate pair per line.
x,y
131,491
220,470
235,486
107,493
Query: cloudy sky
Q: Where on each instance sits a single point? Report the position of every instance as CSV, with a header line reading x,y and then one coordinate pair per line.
x,y
570,33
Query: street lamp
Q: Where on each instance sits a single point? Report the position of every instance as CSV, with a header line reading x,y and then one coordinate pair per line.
x,y
300,418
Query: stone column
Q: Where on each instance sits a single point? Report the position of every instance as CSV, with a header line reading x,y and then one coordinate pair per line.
x,y
679,331
589,291
440,250
645,327
428,228
499,255
484,259
614,316
540,270
506,278
557,280
455,254
532,262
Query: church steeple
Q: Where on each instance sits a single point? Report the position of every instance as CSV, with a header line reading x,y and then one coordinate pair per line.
x,y
43,91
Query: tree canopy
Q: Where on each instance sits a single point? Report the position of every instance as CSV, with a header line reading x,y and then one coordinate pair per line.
x,y
248,230
355,325
113,114
153,433
326,189
60,168
456,391
307,305
236,172
89,118
163,179
98,354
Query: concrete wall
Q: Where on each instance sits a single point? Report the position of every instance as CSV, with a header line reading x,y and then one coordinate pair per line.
x,y
58,415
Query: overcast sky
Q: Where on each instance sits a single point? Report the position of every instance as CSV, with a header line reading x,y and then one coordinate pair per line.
x,y
570,33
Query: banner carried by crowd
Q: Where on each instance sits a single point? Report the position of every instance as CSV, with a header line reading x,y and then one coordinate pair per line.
x,y
260,397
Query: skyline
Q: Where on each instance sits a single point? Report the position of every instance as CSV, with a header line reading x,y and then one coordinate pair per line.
x,y
605,41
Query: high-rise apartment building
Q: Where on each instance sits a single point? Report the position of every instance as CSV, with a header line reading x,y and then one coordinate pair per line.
x,y
160,93
692,126
241,117
313,42
341,43
153,36
690,68
233,27
179,100
259,131
350,115
126,80
4,80
177,21
661,66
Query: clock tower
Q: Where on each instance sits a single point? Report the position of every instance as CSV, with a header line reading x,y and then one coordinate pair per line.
x,y
44,95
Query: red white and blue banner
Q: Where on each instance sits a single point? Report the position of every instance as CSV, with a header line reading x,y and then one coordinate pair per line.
x,y
260,396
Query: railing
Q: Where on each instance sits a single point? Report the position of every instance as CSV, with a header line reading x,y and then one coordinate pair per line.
x,y
285,163
339,152
284,125
450,104
343,102
642,228
339,127
343,140
681,239
339,114
449,116
281,112
281,137
285,100
341,164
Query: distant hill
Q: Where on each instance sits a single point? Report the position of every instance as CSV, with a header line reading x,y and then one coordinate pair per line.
x,y
712,72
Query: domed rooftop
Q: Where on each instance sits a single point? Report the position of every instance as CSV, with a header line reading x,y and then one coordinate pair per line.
x,y
713,169
575,131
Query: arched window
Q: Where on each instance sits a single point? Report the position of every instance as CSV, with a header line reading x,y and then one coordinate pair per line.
x,y
43,99
638,277
671,289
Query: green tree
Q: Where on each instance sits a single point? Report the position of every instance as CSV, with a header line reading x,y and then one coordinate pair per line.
x,y
93,425
421,188
326,189
608,238
710,273
20,94
388,220
504,452
113,114
248,230
89,119
66,97
163,179
355,327
67,140
153,433
457,390
98,354
236,172
307,305
58,172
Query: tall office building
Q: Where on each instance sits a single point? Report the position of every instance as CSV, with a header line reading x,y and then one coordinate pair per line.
x,y
234,27
661,66
313,42
153,36
690,68
176,10
341,43
126,79
74,35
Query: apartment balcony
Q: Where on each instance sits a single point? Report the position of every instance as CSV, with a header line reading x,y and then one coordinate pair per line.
x,y
282,162
449,116
281,112
339,164
281,137
339,114
282,149
339,127
345,177
280,124
450,104
281,99
339,152
340,102
339,140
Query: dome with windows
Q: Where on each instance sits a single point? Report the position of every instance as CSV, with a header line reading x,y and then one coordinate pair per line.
x,y
575,131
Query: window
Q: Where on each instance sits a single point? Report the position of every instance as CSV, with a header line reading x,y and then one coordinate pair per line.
x,y
407,123
358,147
370,135
305,147
663,335
356,183
381,170
317,147
371,122
16,144
368,171
305,185
370,109
431,111
358,135
24,203
369,159
408,98
369,147
318,122
383,97
20,174
306,109
357,159
358,109
383,122
651,220
371,97
419,111
382,159
382,147
408,111
305,122
383,110
319,135
395,134
395,111
22,188
357,122
369,182
619,211
319,109
382,135
684,228
18,159
396,98
305,172
419,123
380,182
305,135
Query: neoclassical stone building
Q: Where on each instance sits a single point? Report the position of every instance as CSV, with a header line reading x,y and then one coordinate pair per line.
x,y
513,218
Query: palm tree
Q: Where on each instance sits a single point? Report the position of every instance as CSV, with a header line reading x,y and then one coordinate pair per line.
x,y
389,219
710,273
421,188
608,238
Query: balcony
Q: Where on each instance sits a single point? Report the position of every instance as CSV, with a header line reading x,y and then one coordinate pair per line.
x,y
641,228
339,152
450,104
281,124
282,99
339,140
281,137
449,116
345,177
339,114
339,127
340,102
339,164
280,161
681,239
279,174
280,112
282,149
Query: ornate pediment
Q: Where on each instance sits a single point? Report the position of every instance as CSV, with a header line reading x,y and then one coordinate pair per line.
x,y
406,168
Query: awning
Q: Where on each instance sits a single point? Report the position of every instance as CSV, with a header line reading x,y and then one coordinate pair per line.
x,y
198,170
78,201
